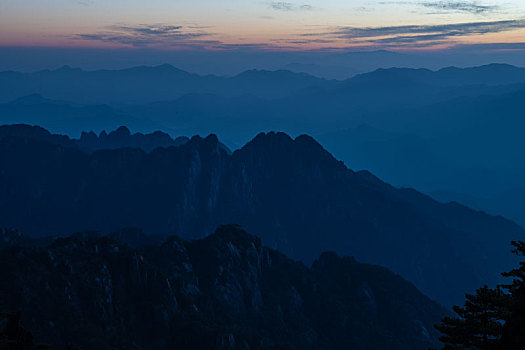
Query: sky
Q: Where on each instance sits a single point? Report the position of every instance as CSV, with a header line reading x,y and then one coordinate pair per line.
x,y
269,25
228,36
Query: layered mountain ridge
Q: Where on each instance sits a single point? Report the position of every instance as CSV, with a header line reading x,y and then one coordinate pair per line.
x,y
146,84
290,192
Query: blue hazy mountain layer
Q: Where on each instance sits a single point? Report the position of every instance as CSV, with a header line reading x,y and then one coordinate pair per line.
x,y
455,130
144,84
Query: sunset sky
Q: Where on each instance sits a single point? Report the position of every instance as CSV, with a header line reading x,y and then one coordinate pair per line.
x,y
281,25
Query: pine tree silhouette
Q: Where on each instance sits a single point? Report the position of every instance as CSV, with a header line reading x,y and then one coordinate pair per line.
x,y
479,323
491,318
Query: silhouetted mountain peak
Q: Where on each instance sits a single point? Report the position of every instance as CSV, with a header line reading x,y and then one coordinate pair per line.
x,y
122,131
279,147
122,137
268,142
88,135
273,136
212,138
308,141
197,141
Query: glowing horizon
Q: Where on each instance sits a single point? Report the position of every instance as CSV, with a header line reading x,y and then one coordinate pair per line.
x,y
273,25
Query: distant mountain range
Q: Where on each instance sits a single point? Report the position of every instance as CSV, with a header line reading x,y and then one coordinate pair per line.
x,y
140,85
239,106
226,291
454,130
492,74
290,192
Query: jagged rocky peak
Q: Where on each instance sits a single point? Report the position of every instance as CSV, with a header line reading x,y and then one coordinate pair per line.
x,y
88,135
209,143
270,138
210,139
121,131
303,158
280,143
90,141
307,140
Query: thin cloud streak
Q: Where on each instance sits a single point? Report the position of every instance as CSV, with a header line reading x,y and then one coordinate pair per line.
x,y
472,7
288,6
469,28
169,36
198,37
151,35
462,6
417,35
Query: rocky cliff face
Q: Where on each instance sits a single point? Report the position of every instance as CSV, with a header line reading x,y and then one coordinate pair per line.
x,y
290,192
226,291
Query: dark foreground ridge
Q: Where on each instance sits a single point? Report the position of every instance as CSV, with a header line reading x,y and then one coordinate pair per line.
x,y
226,291
290,192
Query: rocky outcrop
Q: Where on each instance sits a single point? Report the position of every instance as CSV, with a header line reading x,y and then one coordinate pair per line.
x,y
226,291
